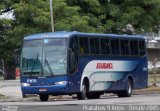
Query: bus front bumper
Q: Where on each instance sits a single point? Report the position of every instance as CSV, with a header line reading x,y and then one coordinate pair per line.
x,y
54,90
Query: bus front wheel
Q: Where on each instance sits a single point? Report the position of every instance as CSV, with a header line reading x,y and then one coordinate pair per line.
x,y
44,97
82,95
23,96
128,91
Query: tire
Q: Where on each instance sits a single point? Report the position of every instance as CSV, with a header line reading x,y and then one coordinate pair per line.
x,y
128,91
93,95
43,97
24,96
83,94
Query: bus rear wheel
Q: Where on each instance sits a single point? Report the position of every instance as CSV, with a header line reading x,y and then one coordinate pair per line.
x,y
83,94
128,91
44,97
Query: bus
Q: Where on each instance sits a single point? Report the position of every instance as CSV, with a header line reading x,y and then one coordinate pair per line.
x,y
85,64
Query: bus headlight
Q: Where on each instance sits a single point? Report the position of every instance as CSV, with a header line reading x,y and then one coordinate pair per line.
x,y
61,83
25,84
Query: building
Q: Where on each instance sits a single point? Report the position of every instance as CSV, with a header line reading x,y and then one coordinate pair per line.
x,y
153,50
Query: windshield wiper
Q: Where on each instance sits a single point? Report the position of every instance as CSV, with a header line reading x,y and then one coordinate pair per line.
x,y
48,65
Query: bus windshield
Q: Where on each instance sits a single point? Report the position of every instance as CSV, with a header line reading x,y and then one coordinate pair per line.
x,y
44,57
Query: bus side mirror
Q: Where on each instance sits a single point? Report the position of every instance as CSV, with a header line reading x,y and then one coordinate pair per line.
x,y
72,61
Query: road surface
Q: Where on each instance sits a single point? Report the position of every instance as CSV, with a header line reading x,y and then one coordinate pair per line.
x,y
12,90
83,105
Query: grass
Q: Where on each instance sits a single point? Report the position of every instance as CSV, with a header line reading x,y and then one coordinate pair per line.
x,y
157,88
1,78
151,79
149,89
1,96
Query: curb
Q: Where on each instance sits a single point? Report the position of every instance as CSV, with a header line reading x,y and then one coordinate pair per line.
x,y
34,98
142,92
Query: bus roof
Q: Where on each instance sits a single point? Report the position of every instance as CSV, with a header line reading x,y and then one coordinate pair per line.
x,y
65,34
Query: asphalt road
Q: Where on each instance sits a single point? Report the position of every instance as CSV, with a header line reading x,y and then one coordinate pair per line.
x,y
12,89
142,101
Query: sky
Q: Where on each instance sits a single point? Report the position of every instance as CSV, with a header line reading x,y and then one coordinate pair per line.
x,y
8,15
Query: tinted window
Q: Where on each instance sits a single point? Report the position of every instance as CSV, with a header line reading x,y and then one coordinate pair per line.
x,y
115,46
74,44
124,47
94,46
83,46
105,46
134,47
142,48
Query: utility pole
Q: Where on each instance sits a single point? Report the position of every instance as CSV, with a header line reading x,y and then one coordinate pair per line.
x,y
51,13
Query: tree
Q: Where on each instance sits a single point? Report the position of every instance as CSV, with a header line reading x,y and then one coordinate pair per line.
x,y
114,15
101,16
34,17
5,25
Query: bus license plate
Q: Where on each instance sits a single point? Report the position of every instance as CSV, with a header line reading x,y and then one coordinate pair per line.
x,y
43,90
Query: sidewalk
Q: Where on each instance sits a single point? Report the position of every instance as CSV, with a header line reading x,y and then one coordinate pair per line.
x,y
4,83
10,88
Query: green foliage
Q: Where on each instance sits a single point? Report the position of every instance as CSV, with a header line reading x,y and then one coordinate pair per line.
x,y
101,16
117,14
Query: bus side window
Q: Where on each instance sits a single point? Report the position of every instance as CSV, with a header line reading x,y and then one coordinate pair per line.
x,y
134,47
74,44
142,50
83,46
105,46
81,50
73,54
124,47
115,46
94,46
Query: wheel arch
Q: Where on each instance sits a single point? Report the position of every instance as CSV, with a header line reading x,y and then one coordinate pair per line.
x,y
86,80
130,77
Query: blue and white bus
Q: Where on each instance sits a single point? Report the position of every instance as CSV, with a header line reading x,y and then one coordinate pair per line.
x,y
86,64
